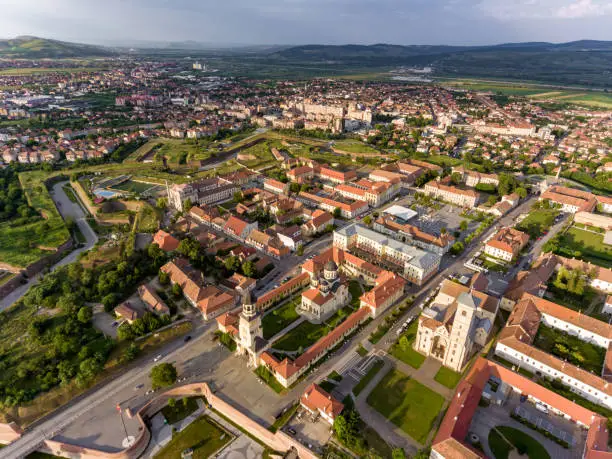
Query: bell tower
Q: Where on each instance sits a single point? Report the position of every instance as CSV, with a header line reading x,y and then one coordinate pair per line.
x,y
249,326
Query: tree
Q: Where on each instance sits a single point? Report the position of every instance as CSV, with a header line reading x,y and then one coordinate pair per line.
x,y
457,248
300,250
463,225
177,291
85,314
522,192
248,268
404,343
337,212
443,230
188,204
171,402
367,220
238,197
163,375
161,203
164,278
492,200
456,178
398,453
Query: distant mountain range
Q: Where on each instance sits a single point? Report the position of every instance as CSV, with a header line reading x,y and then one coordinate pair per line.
x,y
585,62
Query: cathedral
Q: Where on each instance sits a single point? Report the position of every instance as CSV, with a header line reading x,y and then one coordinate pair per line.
x,y
327,294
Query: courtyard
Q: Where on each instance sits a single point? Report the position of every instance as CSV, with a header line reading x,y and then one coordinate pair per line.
x,y
407,403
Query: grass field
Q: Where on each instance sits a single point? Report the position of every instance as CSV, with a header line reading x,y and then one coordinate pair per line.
x,y
537,222
25,244
261,154
585,245
448,377
355,146
301,337
372,372
407,354
407,403
519,440
280,318
180,410
133,186
203,436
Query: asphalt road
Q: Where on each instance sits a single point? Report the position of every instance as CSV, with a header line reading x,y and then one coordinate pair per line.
x,y
67,208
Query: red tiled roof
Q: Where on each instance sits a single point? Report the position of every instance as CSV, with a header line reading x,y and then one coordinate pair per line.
x,y
165,241
316,399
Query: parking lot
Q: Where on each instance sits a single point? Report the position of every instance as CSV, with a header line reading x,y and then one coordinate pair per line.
x,y
312,431
105,322
486,418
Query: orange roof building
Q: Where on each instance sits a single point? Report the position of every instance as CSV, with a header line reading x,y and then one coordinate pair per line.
x,y
165,241
317,401
506,244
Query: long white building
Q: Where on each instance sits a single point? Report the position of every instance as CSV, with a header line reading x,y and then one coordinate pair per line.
x,y
515,345
416,265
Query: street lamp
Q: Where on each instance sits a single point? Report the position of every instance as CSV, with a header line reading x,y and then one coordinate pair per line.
x,y
127,437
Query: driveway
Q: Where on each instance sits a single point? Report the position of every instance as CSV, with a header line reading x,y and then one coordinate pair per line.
x,y
66,208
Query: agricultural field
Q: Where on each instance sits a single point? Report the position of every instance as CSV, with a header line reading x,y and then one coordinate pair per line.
x,y
593,99
36,70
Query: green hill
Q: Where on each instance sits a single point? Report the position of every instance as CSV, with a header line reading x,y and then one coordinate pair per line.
x,y
38,48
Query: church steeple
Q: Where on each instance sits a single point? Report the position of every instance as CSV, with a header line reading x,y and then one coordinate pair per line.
x,y
248,308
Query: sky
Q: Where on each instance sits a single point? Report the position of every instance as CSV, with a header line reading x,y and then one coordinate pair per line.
x,y
285,22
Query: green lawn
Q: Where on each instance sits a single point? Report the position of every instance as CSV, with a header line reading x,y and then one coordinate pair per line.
x,y
537,221
133,186
373,371
356,291
406,353
302,336
585,245
203,436
524,444
279,318
448,377
180,410
362,351
407,403
578,352
354,146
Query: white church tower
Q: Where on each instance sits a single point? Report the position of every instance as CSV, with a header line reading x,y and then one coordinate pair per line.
x,y
461,341
249,328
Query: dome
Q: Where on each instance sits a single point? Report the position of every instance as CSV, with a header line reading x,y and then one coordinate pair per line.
x,y
331,266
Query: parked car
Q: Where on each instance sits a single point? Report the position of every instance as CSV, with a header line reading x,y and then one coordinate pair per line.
x,y
541,407
187,338
158,358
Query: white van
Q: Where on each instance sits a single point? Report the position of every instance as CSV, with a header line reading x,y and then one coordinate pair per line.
x,y
541,407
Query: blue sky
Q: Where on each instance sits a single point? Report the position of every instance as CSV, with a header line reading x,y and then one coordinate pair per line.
x,y
309,21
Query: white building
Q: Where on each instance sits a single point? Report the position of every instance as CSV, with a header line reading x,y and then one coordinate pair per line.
x,y
327,294
458,321
415,264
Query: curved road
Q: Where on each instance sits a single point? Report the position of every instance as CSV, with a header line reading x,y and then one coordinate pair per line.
x,y
66,208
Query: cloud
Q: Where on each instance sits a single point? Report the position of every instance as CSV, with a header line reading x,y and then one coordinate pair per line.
x,y
584,8
544,10
308,21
